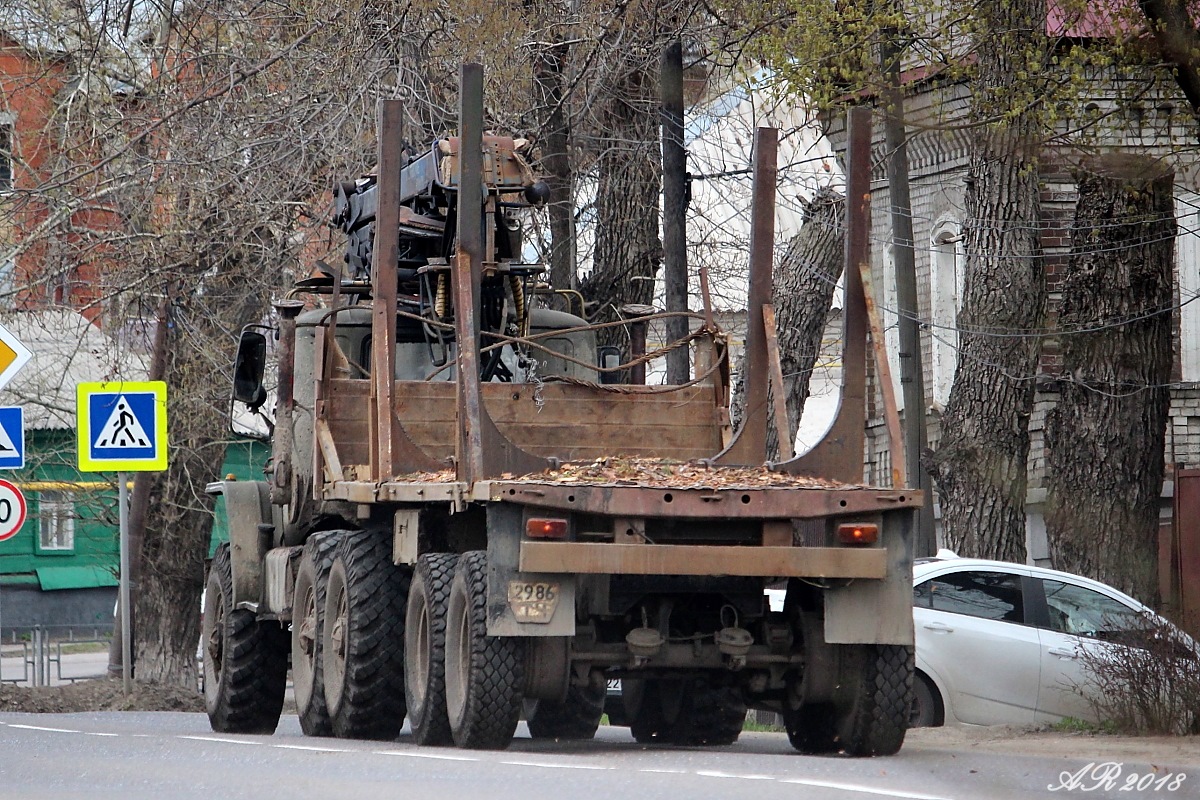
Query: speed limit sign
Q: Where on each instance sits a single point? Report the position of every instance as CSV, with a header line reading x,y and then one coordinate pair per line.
x,y
12,509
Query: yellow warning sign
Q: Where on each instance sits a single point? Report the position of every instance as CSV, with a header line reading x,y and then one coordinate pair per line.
x,y
13,356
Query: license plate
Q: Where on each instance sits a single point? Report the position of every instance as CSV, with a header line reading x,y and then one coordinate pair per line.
x,y
533,601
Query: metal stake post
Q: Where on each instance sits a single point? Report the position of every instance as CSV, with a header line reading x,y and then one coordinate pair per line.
x,y
126,634
38,665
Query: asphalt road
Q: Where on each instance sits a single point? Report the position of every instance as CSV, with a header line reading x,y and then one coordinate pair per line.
x,y
172,755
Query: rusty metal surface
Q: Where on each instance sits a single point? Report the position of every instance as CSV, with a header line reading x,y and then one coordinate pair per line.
x,y
285,402
1181,586
749,445
648,559
500,167
383,281
698,503
394,492
839,456
481,451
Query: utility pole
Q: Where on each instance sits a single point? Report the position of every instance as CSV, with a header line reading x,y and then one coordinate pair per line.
x,y
674,167
912,382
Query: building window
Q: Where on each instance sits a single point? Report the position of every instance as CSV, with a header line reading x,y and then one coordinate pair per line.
x,y
56,521
946,282
6,161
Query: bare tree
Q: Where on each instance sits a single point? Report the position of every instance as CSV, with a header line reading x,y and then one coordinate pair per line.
x,y
804,283
1105,437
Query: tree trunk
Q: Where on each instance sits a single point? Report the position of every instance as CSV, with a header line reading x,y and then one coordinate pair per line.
x,y
1105,438
980,466
628,251
556,164
179,518
804,281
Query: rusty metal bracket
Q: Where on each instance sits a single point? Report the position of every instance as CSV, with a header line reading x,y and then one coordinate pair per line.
x,y
839,455
481,450
749,445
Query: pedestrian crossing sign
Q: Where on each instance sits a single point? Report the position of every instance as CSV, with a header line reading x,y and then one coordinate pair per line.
x,y
12,437
122,427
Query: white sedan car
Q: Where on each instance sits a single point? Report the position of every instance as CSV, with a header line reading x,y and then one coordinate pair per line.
x,y
998,643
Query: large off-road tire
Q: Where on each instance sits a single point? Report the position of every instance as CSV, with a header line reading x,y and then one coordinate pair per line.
x,y
713,715
245,660
363,638
308,614
425,648
575,717
484,674
652,705
689,712
868,715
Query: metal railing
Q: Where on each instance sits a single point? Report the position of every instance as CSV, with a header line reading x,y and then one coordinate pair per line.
x,y
40,648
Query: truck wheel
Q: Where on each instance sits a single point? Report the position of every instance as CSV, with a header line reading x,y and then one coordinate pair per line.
x,y
484,674
575,717
308,614
685,712
652,705
425,648
363,638
245,660
712,715
869,714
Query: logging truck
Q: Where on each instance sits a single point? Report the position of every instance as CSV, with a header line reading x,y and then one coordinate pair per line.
x,y
474,514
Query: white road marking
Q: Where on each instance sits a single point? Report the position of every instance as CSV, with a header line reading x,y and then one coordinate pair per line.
x,y
554,765
312,747
708,773
848,787
218,739
40,728
853,787
435,756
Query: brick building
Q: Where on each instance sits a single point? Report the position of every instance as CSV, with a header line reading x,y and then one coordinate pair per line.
x,y
1154,120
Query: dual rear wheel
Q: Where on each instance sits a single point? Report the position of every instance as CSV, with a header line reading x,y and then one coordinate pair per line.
x,y
372,642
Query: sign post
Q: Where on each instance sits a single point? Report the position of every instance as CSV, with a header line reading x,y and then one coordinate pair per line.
x,y
123,427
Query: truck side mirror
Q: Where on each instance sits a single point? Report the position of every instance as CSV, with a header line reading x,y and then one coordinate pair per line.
x,y
248,370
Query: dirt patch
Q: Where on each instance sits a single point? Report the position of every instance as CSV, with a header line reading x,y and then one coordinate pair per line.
x,y
104,694
1174,750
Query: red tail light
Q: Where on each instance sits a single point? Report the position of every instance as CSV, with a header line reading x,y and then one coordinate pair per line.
x,y
538,528
858,534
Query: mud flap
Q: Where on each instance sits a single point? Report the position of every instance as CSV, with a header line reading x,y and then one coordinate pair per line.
x,y
877,612
523,603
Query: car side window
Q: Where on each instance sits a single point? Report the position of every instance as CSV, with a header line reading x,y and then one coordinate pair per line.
x,y
990,595
1083,612
923,594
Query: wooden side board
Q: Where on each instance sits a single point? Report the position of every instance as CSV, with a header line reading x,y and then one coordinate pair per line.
x,y
569,422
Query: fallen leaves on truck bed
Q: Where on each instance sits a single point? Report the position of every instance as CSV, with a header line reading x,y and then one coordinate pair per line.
x,y
664,473
653,473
